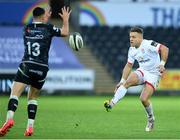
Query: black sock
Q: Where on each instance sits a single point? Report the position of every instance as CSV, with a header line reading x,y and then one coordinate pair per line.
x,y
12,105
32,108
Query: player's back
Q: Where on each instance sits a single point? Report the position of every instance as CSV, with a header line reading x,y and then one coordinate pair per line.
x,y
37,40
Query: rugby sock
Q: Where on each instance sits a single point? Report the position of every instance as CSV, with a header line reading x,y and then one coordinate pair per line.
x,y
30,123
12,106
120,93
32,109
149,110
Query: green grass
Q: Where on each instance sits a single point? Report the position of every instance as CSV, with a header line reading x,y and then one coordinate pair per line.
x,y
84,117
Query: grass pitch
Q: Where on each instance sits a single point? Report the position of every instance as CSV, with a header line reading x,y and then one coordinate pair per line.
x,y
84,117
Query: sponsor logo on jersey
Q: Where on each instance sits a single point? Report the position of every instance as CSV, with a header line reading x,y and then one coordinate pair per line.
x,y
144,61
154,43
36,71
142,50
32,31
35,37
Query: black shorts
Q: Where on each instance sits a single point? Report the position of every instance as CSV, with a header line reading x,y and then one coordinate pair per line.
x,y
31,74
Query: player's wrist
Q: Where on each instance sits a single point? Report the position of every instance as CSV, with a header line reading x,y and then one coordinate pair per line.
x,y
162,62
66,20
122,80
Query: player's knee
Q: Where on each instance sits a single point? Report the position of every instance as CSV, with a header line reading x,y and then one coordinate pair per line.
x,y
143,99
129,83
32,97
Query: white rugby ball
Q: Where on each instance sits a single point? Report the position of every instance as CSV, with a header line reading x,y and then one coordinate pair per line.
x,y
75,41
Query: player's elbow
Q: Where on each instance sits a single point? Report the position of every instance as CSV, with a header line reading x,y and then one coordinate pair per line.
x,y
129,65
64,33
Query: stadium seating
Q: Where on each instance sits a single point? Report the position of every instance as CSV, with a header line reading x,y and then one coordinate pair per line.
x,y
110,45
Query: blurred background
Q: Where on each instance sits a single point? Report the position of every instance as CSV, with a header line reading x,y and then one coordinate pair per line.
x,y
104,25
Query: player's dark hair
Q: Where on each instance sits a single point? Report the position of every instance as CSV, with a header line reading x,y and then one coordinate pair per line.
x,y
137,29
38,11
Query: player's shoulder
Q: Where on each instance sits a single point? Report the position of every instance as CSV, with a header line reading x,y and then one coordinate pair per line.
x,y
52,27
147,42
49,25
27,25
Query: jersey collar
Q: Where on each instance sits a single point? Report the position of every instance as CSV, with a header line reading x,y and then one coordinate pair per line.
x,y
37,22
142,43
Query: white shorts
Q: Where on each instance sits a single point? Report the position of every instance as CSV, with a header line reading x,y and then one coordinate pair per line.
x,y
149,78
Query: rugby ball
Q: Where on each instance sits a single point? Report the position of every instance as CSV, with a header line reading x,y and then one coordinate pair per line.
x,y
75,41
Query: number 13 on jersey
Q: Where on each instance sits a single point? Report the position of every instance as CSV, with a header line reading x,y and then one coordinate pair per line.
x,y
33,48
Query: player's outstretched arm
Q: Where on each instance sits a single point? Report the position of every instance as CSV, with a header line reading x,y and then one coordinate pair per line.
x,y
126,71
164,51
65,17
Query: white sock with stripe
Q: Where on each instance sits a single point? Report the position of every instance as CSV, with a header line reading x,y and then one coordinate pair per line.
x,y
120,93
149,111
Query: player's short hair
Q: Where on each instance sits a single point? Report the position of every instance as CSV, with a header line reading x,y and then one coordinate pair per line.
x,y
38,11
136,29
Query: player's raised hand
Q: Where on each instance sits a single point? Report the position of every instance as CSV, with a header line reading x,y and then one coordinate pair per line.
x,y
48,11
65,13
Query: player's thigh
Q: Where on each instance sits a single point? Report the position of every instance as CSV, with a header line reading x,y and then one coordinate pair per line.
x,y
151,83
152,80
132,80
17,88
33,93
146,92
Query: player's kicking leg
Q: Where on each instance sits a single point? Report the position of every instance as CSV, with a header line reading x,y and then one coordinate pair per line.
x,y
32,109
145,96
121,91
16,91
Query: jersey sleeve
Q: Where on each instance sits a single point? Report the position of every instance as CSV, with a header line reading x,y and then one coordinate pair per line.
x,y
155,46
130,56
55,31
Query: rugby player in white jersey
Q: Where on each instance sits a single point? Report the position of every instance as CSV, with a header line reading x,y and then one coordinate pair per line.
x,y
151,57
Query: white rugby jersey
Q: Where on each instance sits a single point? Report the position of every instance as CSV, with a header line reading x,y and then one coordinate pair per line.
x,y
147,55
